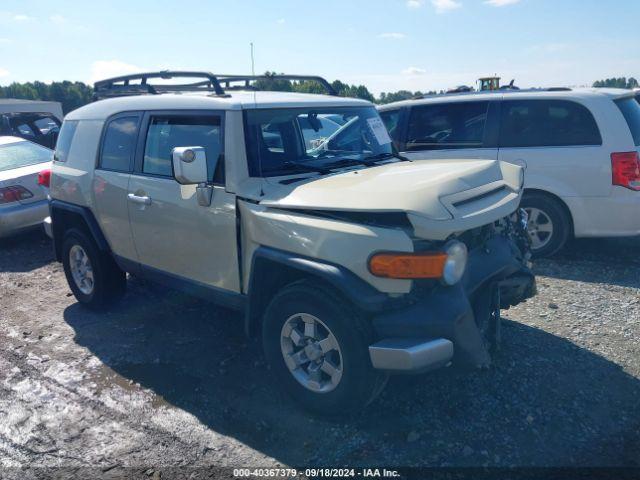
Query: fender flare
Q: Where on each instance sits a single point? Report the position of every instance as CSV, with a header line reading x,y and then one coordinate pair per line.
x,y
353,288
57,207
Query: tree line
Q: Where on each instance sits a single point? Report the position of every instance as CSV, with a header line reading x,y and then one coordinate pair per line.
x,y
73,95
621,82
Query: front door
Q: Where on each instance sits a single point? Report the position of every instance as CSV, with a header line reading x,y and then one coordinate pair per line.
x,y
173,234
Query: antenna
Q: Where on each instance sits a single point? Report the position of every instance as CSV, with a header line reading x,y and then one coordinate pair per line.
x,y
253,63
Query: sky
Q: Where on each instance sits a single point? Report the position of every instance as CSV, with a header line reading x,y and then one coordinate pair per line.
x,y
386,45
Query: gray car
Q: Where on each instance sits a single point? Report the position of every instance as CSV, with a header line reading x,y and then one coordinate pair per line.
x,y
23,202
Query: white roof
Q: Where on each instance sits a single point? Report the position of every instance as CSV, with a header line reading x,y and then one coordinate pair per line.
x,y
514,94
237,100
8,139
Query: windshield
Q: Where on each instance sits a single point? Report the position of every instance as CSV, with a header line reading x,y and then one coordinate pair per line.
x,y
297,140
21,154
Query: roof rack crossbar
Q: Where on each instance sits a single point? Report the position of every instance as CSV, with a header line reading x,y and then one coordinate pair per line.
x,y
120,86
247,79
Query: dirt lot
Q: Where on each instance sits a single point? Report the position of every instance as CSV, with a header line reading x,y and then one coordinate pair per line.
x,y
164,380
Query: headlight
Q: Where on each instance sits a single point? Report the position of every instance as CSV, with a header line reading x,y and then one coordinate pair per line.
x,y
447,265
455,264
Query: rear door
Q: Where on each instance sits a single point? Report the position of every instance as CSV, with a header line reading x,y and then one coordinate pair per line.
x,y
111,180
460,129
173,234
560,144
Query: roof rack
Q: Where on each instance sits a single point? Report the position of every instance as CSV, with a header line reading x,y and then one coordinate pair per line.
x,y
122,86
138,83
227,80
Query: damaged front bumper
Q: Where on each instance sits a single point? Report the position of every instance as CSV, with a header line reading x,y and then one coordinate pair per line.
x,y
458,323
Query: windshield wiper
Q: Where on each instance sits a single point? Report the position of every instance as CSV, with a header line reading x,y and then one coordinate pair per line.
x,y
386,156
292,167
348,161
368,161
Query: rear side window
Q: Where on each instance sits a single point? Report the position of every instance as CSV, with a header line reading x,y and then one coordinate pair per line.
x,y
630,108
445,126
63,145
119,144
547,123
167,132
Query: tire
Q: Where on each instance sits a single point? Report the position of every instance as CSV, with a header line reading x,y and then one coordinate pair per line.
x,y
108,282
549,224
358,383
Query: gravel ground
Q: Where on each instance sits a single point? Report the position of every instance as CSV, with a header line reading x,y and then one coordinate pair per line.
x,y
165,380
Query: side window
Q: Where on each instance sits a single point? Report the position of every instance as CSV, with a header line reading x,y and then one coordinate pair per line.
x,y
447,126
167,132
119,144
46,125
547,123
391,120
63,145
25,130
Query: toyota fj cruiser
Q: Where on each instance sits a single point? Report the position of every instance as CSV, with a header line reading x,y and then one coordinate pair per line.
x,y
351,261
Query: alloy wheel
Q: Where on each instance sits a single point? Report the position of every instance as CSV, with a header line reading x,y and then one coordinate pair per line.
x,y
539,227
81,269
311,352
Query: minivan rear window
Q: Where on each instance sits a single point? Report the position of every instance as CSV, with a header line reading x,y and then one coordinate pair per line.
x,y
547,123
630,108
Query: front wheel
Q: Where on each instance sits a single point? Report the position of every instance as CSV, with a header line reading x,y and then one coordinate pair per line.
x,y
317,345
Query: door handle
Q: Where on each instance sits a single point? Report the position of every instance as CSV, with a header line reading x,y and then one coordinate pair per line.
x,y
138,199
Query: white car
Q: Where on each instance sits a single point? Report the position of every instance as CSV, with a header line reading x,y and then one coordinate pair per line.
x,y
353,262
23,201
579,147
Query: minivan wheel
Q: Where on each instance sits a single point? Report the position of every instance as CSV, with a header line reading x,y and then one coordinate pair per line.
x,y
548,226
317,346
93,276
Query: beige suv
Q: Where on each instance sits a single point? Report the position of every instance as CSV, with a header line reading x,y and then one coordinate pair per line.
x,y
294,209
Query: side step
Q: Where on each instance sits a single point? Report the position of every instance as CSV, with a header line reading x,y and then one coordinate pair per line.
x,y
410,355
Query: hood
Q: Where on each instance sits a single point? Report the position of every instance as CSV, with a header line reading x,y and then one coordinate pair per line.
x,y
439,197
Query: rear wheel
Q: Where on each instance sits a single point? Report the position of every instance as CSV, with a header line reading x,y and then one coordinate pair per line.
x,y
549,226
93,276
317,345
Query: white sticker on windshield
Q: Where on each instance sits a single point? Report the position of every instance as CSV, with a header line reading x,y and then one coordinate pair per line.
x,y
379,130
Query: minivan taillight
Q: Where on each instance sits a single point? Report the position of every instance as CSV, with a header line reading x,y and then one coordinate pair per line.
x,y
14,193
625,169
44,178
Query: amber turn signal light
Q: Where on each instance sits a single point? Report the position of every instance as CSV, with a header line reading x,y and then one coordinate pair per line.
x,y
408,265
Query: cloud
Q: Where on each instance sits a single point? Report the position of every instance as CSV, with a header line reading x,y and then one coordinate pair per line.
x,y
393,35
4,73
22,18
57,19
500,3
415,3
280,21
414,71
443,6
102,69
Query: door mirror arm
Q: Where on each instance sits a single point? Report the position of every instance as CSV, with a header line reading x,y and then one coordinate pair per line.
x,y
204,193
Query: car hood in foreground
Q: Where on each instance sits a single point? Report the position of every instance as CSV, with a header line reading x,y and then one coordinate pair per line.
x,y
439,197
